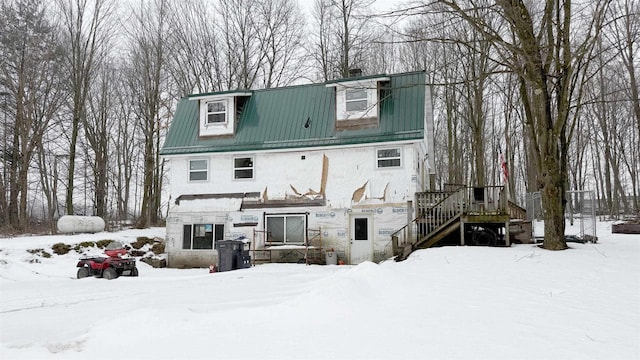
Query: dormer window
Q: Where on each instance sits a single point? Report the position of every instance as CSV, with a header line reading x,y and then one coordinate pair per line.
x,y
216,112
357,103
356,100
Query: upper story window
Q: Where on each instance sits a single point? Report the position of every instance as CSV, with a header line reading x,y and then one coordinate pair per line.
x,y
356,100
243,168
219,112
216,112
388,158
198,170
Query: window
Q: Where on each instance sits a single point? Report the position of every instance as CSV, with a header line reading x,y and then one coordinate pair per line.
x,y
201,236
287,229
198,170
243,168
356,100
388,158
216,112
361,231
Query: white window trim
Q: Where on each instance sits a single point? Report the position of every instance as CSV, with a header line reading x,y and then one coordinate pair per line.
x,y
189,171
371,89
225,112
253,168
400,157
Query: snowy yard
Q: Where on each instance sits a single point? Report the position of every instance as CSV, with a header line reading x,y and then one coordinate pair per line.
x,y
443,303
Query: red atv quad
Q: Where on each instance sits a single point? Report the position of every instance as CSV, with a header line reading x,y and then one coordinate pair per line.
x,y
109,267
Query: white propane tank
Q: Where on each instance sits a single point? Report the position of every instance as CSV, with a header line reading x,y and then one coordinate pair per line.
x,y
80,224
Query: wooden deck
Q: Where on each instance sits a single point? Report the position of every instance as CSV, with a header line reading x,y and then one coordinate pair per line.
x,y
479,215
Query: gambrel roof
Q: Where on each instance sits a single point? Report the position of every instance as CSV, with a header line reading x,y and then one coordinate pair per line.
x,y
302,116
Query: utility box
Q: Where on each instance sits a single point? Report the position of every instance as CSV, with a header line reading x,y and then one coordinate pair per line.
x,y
233,254
331,257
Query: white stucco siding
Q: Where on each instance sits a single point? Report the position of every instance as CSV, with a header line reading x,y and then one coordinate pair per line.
x,y
280,173
350,170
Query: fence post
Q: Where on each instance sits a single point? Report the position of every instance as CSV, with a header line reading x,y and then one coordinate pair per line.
x,y
409,220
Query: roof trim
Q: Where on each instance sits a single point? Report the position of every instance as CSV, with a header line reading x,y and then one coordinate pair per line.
x,y
193,151
218,95
217,196
357,81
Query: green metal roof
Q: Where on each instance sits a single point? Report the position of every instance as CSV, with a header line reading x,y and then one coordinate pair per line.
x,y
275,118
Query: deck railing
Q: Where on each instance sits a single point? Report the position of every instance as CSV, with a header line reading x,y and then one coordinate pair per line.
x,y
437,209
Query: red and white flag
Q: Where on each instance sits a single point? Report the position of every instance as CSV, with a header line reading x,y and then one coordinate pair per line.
x,y
503,166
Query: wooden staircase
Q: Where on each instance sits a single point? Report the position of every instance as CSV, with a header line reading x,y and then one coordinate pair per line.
x,y
441,213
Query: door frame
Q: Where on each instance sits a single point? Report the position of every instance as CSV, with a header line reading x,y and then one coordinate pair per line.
x,y
352,217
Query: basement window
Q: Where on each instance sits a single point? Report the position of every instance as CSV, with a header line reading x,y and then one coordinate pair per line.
x,y
389,158
201,236
286,229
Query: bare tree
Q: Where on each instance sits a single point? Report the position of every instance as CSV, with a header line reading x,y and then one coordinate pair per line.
x,y
624,36
83,25
549,61
196,61
342,36
278,25
125,145
148,81
30,64
97,128
243,51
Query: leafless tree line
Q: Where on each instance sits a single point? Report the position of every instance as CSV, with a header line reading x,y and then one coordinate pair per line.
x,y
89,88
552,84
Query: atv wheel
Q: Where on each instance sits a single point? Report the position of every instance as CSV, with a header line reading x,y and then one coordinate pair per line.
x,y
83,272
109,273
484,237
134,271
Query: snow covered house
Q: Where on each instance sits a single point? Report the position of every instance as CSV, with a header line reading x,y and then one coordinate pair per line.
x,y
332,165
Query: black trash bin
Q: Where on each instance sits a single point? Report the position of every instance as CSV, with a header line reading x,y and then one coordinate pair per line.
x,y
233,254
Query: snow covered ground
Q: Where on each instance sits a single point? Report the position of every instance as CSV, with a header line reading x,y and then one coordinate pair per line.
x,y
443,303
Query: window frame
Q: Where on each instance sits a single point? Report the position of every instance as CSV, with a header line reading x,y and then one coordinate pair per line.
x,y
236,169
207,113
285,216
190,230
191,171
389,158
348,101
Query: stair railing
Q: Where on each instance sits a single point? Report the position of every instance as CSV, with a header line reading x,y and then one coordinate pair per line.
x,y
435,209
440,214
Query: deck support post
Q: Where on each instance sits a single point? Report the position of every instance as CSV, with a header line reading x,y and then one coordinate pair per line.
x,y
506,233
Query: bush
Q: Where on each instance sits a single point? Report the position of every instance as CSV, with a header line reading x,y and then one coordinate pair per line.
x,y
103,243
137,253
60,248
158,248
39,252
142,241
82,245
